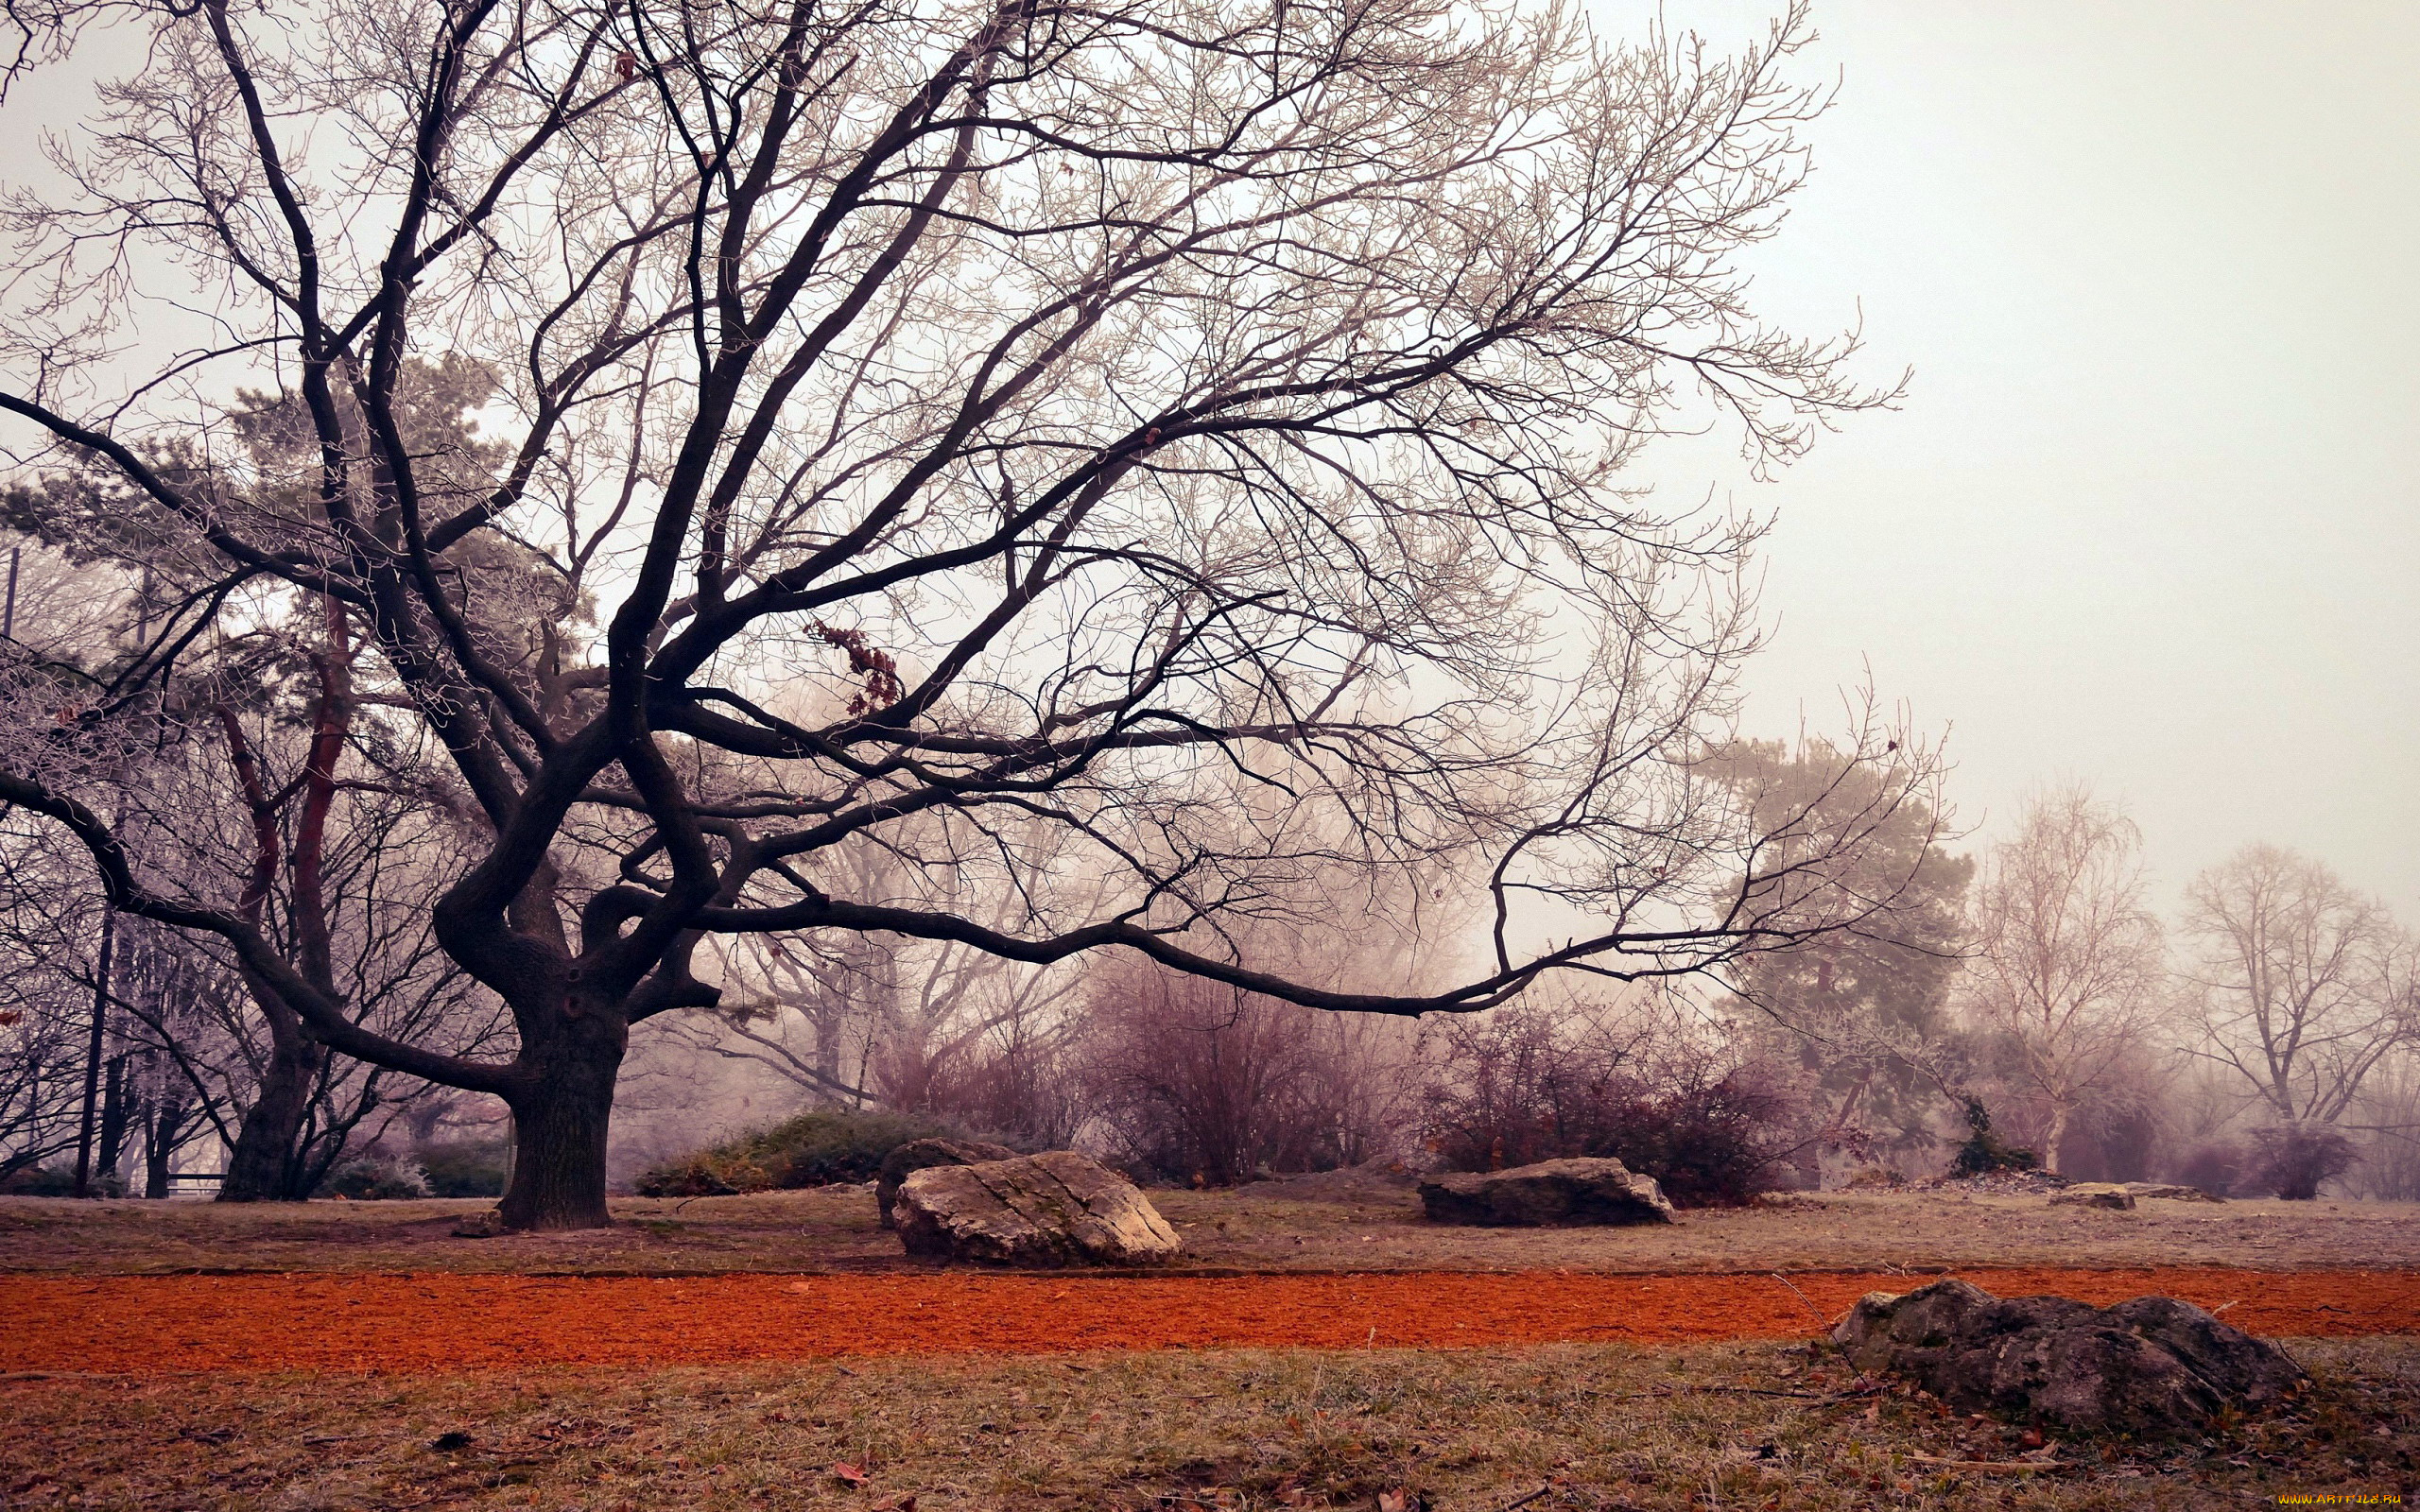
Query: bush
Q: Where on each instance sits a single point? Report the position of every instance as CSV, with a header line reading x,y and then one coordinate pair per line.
x,y
1202,1083
463,1168
2212,1168
2291,1160
811,1150
1985,1151
1709,1145
40,1181
1665,1103
376,1179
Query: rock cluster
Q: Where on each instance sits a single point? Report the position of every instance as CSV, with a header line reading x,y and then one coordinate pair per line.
x,y
917,1155
1548,1193
2153,1366
1050,1210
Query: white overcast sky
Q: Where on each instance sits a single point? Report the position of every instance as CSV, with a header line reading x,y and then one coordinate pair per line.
x,y
2149,517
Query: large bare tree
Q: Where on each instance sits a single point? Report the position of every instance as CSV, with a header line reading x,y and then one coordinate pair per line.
x,y
971,414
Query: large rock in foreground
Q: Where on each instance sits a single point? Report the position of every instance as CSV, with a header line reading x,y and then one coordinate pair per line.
x,y
1550,1191
1050,1209
2154,1367
918,1155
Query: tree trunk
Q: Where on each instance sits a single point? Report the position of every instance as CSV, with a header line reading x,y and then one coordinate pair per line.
x,y
117,1106
259,1168
160,1133
560,1118
2055,1137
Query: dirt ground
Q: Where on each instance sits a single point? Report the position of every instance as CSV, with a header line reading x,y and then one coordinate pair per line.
x,y
1319,1224
149,1325
654,1365
1564,1426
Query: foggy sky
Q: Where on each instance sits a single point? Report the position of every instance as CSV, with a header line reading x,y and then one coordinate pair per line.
x,y
2147,517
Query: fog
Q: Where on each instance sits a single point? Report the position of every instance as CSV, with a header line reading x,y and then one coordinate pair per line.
x,y
2148,516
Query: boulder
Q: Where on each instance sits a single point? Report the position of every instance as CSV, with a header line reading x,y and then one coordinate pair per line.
x,y
1550,1191
918,1155
2094,1194
1050,1209
2153,1366
2170,1192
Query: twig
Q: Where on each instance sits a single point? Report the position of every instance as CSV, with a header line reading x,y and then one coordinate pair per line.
x,y
1542,1491
1821,1321
2016,1466
2216,1311
1816,1398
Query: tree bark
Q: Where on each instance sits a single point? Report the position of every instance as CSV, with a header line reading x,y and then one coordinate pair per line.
x,y
160,1131
261,1168
2055,1137
562,1115
117,1108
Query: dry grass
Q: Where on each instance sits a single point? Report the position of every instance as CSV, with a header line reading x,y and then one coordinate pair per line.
x,y
1752,1426
1320,1224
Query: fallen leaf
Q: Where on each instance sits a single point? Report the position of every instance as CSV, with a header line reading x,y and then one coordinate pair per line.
x,y
2030,1438
848,1472
896,1503
1398,1500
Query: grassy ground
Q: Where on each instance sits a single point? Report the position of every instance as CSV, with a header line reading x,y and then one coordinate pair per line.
x,y
1748,1427
1315,1225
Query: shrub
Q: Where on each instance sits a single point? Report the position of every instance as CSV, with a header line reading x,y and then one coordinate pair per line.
x,y
1985,1151
40,1181
463,1168
1709,1143
1667,1102
2212,1168
376,1179
811,1150
1200,1083
2291,1160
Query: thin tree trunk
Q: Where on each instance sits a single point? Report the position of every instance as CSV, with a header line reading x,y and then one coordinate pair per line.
x,y
84,1129
117,1111
267,1163
561,1119
160,1133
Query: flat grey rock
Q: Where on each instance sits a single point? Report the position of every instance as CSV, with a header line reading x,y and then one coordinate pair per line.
x,y
918,1155
1046,1211
2170,1192
1552,1192
2094,1194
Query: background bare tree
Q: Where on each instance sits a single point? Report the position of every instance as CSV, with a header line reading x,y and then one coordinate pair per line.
x,y
965,414
2067,968
2300,985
